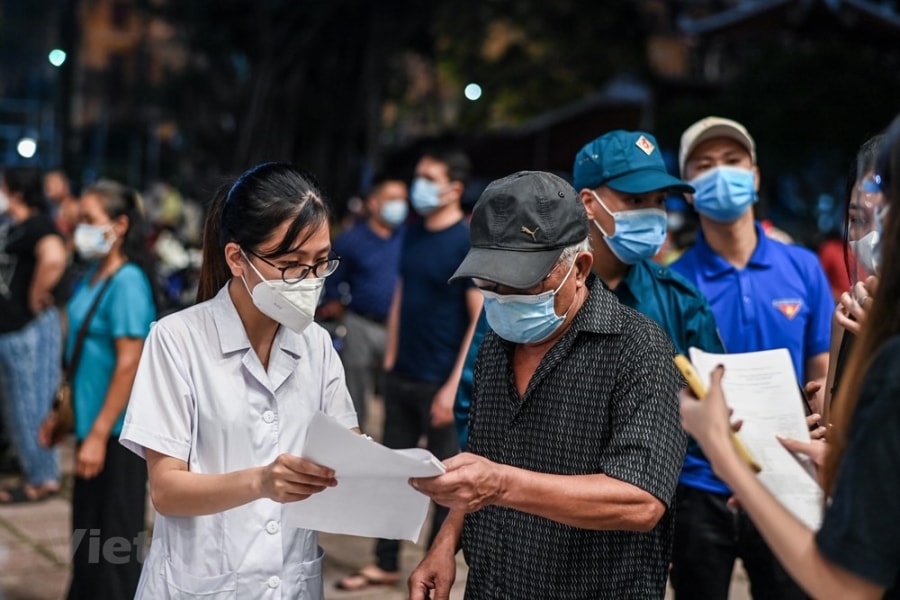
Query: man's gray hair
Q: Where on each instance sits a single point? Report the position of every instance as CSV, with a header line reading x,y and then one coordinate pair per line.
x,y
570,252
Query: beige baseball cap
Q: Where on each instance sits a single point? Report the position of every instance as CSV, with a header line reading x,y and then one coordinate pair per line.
x,y
709,128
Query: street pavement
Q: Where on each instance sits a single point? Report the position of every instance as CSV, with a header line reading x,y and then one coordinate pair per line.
x,y
35,550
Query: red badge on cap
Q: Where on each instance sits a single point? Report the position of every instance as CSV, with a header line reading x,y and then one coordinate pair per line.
x,y
645,145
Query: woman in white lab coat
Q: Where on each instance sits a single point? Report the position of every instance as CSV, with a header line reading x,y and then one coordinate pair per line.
x,y
223,395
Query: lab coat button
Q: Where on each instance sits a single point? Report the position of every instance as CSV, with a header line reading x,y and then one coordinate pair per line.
x,y
272,527
268,416
274,581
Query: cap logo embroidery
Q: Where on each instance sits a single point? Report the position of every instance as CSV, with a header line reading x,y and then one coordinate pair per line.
x,y
645,145
530,232
788,308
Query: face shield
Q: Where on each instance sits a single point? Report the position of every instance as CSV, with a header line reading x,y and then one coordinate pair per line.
x,y
862,235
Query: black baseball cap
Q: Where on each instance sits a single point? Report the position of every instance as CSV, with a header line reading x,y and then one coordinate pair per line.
x,y
519,228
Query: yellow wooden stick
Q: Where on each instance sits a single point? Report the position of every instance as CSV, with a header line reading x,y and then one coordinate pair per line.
x,y
693,379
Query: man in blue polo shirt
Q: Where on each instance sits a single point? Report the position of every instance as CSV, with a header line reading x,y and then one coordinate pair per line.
x,y
359,293
764,295
623,184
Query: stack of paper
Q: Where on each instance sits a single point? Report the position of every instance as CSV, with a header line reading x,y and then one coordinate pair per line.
x,y
373,497
762,389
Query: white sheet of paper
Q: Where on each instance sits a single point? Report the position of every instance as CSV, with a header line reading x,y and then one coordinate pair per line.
x,y
762,389
372,497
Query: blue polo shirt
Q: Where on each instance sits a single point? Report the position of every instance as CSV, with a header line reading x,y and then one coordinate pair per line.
x,y
781,299
367,276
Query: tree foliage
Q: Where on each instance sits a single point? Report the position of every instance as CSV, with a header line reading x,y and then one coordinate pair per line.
x,y
533,56
282,80
309,82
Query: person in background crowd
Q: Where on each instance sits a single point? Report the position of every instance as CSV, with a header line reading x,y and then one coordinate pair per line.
x,y
63,203
360,291
764,294
109,494
856,551
226,386
574,399
429,331
32,261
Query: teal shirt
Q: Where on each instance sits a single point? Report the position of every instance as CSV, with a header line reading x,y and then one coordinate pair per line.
x,y
126,310
466,380
674,303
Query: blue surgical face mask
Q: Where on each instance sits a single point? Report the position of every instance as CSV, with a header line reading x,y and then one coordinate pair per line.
x,y
394,211
724,193
524,319
425,196
639,233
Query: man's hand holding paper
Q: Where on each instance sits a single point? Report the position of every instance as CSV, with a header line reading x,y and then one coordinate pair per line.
x,y
373,497
470,483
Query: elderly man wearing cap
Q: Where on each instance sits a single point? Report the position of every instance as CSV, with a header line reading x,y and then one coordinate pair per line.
x,y
764,295
623,184
574,433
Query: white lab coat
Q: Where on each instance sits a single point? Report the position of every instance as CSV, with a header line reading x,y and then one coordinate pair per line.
x,y
201,395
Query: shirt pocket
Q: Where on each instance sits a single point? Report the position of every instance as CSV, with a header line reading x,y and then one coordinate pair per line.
x,y
307,576
182,585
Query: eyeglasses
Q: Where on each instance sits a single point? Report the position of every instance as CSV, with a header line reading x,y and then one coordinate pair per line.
x,y
295,272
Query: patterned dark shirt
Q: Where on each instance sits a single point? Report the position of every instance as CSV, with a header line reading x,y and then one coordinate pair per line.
x,y
602,400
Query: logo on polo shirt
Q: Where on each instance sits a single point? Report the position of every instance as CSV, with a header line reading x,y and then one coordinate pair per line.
x,y
788,308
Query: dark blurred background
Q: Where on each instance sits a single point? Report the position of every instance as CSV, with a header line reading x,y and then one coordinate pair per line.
x,y
184,92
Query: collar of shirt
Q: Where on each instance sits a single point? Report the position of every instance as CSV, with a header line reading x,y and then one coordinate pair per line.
x,y
233,337
601,311
714,265
638,283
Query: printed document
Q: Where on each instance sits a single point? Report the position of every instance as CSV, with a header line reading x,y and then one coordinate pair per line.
x,y
373,497
762,389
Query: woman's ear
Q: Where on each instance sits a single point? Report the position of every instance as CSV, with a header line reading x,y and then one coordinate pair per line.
x,y
120,226
234,258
